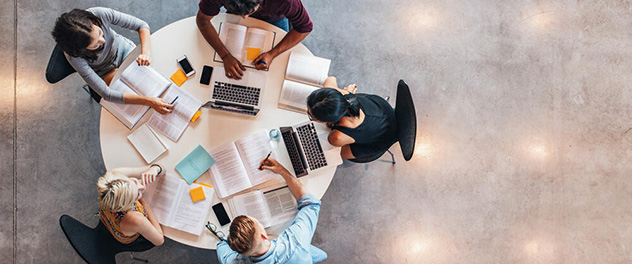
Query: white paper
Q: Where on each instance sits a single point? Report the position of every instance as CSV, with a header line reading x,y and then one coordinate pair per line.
x,y
252,150
257,38
233,36
163,195
145,80
128,114
307,69
253,205
228,174
190,217
173,124
294,95
281,205
147,143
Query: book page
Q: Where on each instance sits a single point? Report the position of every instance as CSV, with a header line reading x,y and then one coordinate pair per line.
x,y
294,95
281,205
228,174
307,69
173,124
147,143
162,195
233,36
145,80
128,114
251,204
188,216
257,41
252,150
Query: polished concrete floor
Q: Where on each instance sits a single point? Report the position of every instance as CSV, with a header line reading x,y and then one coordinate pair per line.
x,y
524,132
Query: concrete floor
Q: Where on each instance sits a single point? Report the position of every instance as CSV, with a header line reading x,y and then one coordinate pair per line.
x,y
523,110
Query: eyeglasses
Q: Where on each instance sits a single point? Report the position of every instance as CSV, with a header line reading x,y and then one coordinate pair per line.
x,y
213,228
309,115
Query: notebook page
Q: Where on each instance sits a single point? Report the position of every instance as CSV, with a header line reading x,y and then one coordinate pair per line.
x,y
228,174
258,39
145,80
173,124
162,195
252,150
233,36
252,204
188,216
294,95
128,114
147,143
307,69
281,205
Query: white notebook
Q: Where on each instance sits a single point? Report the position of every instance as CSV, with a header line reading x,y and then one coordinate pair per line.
x,y
171,202
138,80
245,43
304,74
147,143
270,208
173,124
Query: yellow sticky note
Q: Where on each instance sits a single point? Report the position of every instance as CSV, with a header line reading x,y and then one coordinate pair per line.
x,y
252,53
197,194
204,184
179,77
196,115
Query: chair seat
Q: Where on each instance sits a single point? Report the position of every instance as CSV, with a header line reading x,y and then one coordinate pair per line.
x,y
406,120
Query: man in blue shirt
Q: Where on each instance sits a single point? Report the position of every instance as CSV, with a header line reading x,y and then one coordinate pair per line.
x,y
248,242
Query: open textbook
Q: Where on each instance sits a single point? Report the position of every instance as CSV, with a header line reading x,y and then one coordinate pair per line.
x,y
139,80
244,43
304,74
147,143
271,207
237,164
170,199
173,124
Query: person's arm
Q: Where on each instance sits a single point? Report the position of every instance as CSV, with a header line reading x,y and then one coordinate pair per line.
x,y
290,40
295,186
144,59
148,227
158,104
224,253
233,68
145,173
339,139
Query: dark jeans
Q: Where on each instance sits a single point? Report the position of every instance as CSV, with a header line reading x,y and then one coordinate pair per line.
x,y
282,23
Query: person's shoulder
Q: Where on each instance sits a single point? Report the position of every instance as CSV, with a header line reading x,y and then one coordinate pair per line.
x,y
134,219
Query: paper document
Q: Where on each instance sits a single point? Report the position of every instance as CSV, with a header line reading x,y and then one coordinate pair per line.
x,y
147,143
173,124
194,164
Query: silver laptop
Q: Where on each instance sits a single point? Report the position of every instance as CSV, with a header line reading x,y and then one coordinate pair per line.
x,y
238,96
308,148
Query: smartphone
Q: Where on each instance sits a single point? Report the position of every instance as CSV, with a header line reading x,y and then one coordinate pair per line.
x,y
206,75
220,212
185,65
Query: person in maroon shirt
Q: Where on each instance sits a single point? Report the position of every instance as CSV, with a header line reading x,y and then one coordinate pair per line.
x,y
272,11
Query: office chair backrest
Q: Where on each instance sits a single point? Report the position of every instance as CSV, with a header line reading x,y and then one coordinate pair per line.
x,y
97,245
406,120
58,67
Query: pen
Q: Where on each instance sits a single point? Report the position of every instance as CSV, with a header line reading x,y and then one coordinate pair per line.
x,y
264,63
265,160
174,100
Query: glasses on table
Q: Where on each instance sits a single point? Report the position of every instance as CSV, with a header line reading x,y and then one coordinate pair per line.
x,y
213,228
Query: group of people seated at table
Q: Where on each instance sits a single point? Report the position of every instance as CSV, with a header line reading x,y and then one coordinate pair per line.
x,y
363,125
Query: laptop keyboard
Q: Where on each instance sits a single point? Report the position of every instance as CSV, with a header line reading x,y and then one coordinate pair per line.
x,y
311,146
236,93
293,151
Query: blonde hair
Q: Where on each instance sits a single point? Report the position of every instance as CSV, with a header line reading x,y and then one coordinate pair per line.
x,y
241,235
115,192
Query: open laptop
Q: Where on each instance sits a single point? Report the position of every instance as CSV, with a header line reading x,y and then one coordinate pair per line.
x,y
308,148
238,96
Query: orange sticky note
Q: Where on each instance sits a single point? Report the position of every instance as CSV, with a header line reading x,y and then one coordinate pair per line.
x,y
196,115
252,53
197,194
204,184
179,77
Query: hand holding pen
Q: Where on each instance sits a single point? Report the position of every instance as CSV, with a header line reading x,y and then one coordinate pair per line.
x,y
264,162
263,61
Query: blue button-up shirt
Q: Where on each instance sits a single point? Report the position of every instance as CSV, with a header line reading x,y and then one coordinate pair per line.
x,y
292,246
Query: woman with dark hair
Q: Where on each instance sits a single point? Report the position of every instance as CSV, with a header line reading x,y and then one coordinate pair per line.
x,y
363,125
95,51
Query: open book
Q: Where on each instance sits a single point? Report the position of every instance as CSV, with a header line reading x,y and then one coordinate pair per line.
x,y
237,164
173,124
147,143
170,199
268,207
245,43
139,80
304,74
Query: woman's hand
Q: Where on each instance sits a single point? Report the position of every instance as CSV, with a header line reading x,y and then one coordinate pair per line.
x,y
273,166
352,88
143,60
149,176
160,105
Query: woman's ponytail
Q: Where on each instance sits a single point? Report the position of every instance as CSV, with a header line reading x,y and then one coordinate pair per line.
x,y
354,105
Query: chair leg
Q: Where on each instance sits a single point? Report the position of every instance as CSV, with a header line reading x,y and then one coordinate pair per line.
x,y
138,259
392,156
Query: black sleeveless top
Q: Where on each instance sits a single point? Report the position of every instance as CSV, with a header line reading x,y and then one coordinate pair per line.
x,y
378,128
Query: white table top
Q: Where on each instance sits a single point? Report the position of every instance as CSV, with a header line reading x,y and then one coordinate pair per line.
x,y
213,128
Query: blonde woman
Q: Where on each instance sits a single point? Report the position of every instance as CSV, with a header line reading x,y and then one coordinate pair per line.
x,y
123,210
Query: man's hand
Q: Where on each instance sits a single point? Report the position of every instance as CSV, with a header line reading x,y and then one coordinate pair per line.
x,y
233,68
263,61
273,166
160,105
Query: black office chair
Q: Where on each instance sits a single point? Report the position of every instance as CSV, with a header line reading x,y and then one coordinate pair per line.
x,y
406,125
59,68
97,245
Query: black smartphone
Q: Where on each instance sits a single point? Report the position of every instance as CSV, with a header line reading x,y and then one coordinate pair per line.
x,y
185,65
220,212
206,75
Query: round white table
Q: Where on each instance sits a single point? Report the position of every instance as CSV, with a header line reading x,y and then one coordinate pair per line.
x,y
213,128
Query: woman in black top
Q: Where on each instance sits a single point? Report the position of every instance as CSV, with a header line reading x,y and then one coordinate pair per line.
x,y
363,125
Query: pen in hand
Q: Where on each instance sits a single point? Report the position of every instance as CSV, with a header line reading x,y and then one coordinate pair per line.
x,y
174,101
265,160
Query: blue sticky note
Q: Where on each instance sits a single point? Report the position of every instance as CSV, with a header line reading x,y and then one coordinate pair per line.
x,y
194,164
